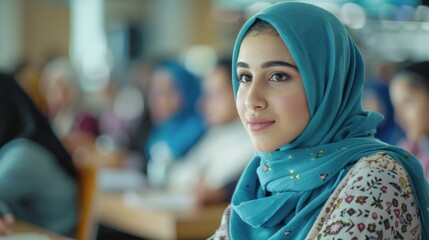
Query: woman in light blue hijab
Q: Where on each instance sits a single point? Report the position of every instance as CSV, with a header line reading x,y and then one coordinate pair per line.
x,y
173,97
319,172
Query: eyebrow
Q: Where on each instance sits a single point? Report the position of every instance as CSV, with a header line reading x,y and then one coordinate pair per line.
x,y
269,64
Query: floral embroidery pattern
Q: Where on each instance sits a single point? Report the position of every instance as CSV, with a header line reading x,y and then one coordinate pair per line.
x,y
374,201
222,233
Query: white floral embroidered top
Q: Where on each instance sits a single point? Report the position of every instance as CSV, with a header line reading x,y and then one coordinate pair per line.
x,y
373,201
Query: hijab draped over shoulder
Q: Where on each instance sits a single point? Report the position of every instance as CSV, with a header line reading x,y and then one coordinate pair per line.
x,y
284,190
184,128
20,118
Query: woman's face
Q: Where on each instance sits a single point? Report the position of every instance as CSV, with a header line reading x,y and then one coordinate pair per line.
x,y
271,98
219,104
411,106
163,100
59,94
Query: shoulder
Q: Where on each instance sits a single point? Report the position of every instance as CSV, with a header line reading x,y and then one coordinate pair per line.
x,y
379,174
381,164
222,233
374,200
24,154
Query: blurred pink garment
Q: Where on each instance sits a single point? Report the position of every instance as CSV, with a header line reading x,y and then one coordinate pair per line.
x,y
420,150
86,122
122,129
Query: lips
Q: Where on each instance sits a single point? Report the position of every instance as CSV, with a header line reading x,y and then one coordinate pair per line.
x,y
258,124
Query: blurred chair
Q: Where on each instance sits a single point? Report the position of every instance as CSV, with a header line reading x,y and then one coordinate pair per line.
x,y
86,227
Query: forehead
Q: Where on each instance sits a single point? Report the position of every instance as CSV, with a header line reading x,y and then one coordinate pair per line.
x,y
403,82
161,79
401,89
263,47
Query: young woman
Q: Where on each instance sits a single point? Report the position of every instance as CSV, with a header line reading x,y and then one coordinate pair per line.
x,y
70,119
177,124
38,182
409,92
319,173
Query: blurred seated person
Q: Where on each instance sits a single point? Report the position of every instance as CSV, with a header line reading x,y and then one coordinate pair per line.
x,y
211,167
126,126
177,124
73,124
376,97
38,182
119,119
409,91
122,125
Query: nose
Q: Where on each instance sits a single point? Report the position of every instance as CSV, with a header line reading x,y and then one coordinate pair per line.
x,y
255,99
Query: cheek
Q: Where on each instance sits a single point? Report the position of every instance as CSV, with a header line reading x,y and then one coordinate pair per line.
x,y
293,106
425,105
175,103
420,114
213,106
230,109
416,110
411,115
228,102
157,106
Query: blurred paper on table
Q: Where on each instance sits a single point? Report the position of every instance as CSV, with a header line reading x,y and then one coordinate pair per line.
x,y
121,180
26,236
161,200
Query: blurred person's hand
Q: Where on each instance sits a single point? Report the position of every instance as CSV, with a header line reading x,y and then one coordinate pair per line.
x,y
78,139
6,220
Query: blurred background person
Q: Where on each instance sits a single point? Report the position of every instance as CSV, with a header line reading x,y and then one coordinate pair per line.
x,y
409,91
123,113
28,75
177,125
222,153
125,119
71,121
376,97
141,72
38,181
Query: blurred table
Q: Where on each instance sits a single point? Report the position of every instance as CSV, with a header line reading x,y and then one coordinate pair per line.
x,y
23,227
144,222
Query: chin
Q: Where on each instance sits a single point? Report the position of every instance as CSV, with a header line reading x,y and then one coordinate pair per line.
x,y
265,148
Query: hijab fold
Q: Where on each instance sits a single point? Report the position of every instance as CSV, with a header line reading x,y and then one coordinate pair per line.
x,y
281,193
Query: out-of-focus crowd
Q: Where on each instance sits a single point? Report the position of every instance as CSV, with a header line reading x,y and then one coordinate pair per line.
x,y
179,131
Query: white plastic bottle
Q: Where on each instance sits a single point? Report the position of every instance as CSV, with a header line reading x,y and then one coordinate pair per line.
x,y
158,165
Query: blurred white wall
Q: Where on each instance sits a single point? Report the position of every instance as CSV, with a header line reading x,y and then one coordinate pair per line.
x,y
88,44
169,26
10,34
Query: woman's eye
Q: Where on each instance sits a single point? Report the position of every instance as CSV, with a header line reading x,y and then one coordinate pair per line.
x,y
244,78
279,77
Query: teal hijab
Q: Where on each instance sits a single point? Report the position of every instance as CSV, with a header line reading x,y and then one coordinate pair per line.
x,y
281,193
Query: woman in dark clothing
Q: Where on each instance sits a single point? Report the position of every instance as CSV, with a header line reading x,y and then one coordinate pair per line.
x,y
37,176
